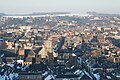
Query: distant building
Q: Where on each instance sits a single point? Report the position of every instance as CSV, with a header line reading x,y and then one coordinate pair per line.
x,y
25,28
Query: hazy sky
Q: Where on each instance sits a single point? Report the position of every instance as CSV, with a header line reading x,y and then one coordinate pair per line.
x,y
75,6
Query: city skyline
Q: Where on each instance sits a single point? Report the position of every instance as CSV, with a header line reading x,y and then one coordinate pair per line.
x,y
73,6
59,40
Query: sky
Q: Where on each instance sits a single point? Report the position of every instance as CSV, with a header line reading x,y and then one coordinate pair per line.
x,y
73,6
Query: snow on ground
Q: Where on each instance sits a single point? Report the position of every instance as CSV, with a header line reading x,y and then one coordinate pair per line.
x,y
11,65
97,76
49,77
45,73
11,76
108,77
2,77
77,72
